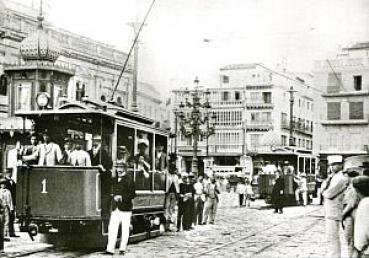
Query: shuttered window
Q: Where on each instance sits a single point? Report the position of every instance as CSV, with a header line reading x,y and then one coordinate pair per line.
x,y
334,82
333,110
356,110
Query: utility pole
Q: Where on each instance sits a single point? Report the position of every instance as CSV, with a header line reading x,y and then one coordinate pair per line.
x,y
135,26
292,100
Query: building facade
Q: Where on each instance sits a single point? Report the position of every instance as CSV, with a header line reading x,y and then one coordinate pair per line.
x,y
344,101
96,67
252,107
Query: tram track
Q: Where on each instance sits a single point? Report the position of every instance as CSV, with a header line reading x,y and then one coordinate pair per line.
x,y
269,244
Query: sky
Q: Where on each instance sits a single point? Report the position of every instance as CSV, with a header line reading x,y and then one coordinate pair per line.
x,y
173,51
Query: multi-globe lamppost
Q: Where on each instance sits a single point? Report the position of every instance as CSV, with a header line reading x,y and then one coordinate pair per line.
x,y
199,123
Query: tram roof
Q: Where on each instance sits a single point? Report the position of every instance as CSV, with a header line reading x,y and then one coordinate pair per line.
x,y
79,108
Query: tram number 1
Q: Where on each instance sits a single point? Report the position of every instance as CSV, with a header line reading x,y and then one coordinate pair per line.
x,y
44,186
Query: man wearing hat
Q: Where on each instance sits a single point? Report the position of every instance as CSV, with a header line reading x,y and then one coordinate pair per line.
x,y
161,159
80,157
171,191
123,192
99,157
142,159
333,192
361,228
182,182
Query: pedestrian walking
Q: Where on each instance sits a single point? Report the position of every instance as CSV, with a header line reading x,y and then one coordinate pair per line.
x,y
278,192
187,191
350,203
212,200
301,189
361,228
199,199
333,189
249,193
241,190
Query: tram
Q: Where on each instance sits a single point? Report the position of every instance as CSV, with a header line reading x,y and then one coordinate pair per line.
x,y
292,163
71,205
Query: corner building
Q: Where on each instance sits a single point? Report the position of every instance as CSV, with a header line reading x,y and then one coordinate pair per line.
x,y
344,101
252,106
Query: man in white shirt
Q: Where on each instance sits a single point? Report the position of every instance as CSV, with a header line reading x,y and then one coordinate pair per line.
x,y
333,192
80,157
199,199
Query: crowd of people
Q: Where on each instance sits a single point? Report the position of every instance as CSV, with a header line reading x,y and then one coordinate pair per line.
x,y
196,200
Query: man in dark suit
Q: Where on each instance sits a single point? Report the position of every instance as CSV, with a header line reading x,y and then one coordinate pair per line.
x,y
99,157
123,193
10,185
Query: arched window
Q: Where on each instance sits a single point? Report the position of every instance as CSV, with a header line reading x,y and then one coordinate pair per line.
x,y
3,85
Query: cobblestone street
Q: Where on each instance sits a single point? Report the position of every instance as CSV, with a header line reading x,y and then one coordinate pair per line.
x,y
238,232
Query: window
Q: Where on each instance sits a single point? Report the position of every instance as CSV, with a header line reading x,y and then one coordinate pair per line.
x,y
356,110
237,95
357,82
80,90
3,85
284,118
267,97
24,96
225,79
334,82
284,140
225,96
255,97
254,140
333,110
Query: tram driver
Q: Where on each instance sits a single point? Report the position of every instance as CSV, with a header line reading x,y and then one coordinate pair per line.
x,y
99,157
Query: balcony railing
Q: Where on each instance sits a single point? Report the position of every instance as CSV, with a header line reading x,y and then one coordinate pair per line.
x,y
258,105
299,127
344,148
252,126
213,149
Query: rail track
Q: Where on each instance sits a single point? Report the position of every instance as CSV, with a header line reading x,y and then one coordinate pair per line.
x,y
266,231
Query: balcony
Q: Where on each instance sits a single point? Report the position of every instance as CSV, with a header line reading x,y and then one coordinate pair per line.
x,y
259,105
297,127
364,121
259,126
213,149
344,149
226,104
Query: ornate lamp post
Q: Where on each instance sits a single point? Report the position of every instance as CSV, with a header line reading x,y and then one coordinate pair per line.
x,y
197,124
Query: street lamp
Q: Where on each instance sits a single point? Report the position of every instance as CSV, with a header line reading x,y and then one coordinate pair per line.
x,y
197,124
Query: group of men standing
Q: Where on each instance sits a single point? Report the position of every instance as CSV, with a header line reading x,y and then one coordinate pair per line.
x,y
346,203
196,199
48,153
